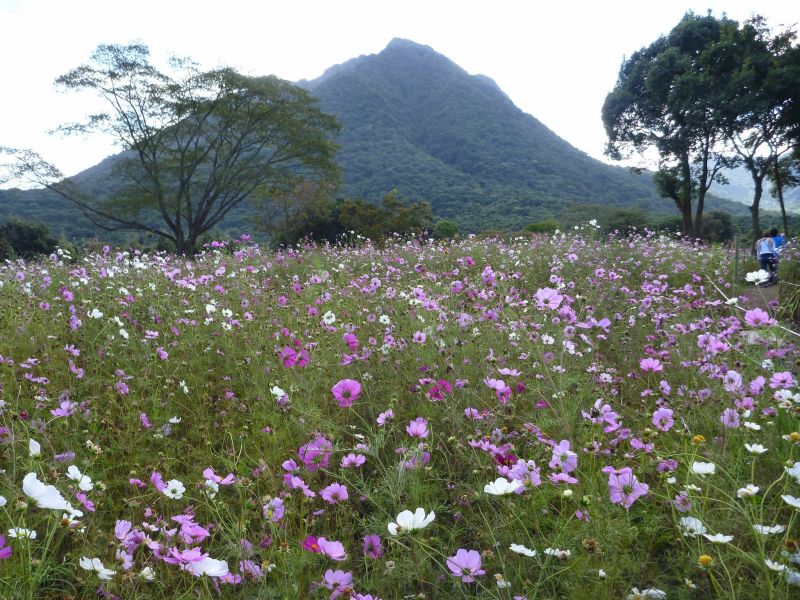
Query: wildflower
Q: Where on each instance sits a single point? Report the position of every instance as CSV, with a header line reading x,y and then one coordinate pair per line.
x,y
698,439
547,298
563,458
174,489
755,448
329,318
662,419
384,416
560,554
372,546
84,482
791,501
777,567
692,527
730,418
769,529
34,448
418,428
705,560
337,580
624,488
718,538
702,469
502,486
94,564
196,562
520,549
21,533
756,317
465,564
757,277
793,471
408,521
346,392
747,491
43,495
651,365
274,510
333,550
5,551
334,493
353,460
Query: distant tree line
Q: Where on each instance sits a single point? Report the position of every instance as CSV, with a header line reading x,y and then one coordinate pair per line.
x,y
710,95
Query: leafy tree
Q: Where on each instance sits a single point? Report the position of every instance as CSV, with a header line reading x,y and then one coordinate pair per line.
x,y
546,226
785,173
197,144
444,229
718,227
25,239
667,100
763,76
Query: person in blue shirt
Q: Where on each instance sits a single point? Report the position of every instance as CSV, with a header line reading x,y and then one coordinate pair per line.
x,y
777,238
767,256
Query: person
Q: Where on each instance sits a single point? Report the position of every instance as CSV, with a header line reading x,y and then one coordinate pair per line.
x,y
767,254
778,239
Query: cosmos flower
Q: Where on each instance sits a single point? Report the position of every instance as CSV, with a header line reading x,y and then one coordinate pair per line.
x,y
465,564
43,495
94,564
408,521
502,486
520,549
346,391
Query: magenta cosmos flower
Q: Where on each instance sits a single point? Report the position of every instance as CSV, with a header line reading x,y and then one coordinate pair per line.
x,y
346,392
651,365
465,564
417,428
334,493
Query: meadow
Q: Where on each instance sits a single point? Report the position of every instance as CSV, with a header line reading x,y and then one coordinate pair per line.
x,y
555,416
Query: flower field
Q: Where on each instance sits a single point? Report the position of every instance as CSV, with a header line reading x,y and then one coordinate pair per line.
x,y
539,417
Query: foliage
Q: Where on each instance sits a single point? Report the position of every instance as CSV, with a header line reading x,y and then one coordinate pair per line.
x,y
546,226
717,227
445,229
25,239
196,144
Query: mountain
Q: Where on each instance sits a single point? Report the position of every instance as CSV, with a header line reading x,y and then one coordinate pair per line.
x,y
740,189
414,121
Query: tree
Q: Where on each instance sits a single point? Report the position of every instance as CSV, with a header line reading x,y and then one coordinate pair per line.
x,y
760,92
196,144
25,240
785,173
666,99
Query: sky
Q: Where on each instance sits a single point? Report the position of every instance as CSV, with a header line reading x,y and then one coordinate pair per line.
x,y
556,60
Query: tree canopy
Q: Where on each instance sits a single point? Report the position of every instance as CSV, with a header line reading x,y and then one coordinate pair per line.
x,y
197,143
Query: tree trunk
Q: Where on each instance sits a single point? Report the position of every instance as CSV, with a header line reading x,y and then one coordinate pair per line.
x,y
686,196
779,189
754,207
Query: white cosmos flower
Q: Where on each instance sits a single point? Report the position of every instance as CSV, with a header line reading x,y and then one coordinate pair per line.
x,y
21,533
277,392
755,448
208,566
560,554
692,527
175,420
34,447
747,491
766,530
329,318
95,314
752,426
791,501
45,496
408,521
718,538
757,277
502,486
520,549
147,574
648,594
175,489
84,481
703,468
774,566
94,564
3,501
793,471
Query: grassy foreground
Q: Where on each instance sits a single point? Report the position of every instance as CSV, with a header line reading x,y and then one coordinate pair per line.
x,y
574,419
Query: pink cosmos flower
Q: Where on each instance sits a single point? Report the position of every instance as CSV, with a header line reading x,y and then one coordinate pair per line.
x,y
5,551
338,581
210,475
547,298
372,546
331,549
346,392
65,409
353,460
145,421
757,317
274,510
465,564
316,453
662,419
334,493
419,337
288,356
783,380
624,488
730,418
563,458
418,428
651,365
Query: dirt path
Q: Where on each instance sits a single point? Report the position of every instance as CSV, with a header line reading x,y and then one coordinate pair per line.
x,y
759,297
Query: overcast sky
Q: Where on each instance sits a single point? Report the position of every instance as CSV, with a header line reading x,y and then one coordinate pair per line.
x,y
556,60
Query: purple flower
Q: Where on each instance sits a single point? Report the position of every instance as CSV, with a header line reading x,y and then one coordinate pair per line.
x,y
385,416
563,458
331,549
346,392
418,428
334,493
274,510
372,546
624,488
353,460
316,453
730,418
465,564
662,419
757,317
5,551
65,409
651,365
547,298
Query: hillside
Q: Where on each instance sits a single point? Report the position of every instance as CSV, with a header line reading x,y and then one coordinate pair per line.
x,y
414,121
